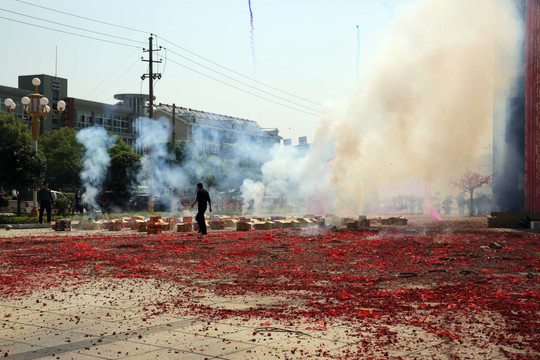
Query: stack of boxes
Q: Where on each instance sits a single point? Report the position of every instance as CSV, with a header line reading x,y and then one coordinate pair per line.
x,y
62,225
154,225
185,225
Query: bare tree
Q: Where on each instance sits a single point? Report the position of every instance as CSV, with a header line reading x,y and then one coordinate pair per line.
x,y
470,181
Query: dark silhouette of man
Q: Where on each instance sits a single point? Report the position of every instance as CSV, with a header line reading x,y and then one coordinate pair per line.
x,y
202,198
45,200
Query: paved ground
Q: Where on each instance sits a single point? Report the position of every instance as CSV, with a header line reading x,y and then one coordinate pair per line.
x,y
89,323
117,319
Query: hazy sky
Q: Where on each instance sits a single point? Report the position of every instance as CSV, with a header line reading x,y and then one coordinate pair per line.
x,y
307,48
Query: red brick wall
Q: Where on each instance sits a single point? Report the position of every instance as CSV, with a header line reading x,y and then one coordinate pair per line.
x,y
532,106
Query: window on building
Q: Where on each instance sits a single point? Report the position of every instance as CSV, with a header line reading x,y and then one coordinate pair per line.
x,y
55,89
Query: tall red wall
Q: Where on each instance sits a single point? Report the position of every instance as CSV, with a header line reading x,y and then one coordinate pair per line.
x,y
532,107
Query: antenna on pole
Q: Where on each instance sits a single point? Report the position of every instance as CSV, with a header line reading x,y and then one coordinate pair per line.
x,y
56,63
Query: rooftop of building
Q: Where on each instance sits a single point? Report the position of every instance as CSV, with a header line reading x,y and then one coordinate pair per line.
x,y
218,119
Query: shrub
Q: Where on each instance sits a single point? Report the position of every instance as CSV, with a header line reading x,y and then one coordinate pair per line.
x,y
12,219
62,207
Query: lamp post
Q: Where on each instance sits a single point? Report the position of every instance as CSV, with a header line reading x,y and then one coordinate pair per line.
x,y
36,105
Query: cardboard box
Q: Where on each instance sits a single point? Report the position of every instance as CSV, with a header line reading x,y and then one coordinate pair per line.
x,y
184,227
358,224
401,221
231,223
166,226
153,228
141,226
217,224
62,225
155,219
88,225
243,226
104,225
262,225
188,219
115,225
305,222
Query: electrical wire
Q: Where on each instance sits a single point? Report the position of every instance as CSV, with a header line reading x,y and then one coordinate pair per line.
x,y
82,17
240,74
73,27
158,63
177,46
188,51
245,91
121,76
245,84
69,33
110,75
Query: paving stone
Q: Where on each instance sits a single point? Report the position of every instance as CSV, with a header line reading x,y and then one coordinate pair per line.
x,y
209,328
48,337
170,354
194,343
18,350
72,355
116,350
255,353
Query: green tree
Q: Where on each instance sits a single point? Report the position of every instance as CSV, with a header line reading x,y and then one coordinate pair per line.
x,y
182,151
25,170
21,168
13,133
125,165
63,154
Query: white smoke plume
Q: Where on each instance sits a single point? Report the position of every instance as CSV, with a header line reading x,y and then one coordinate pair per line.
x,y
425,109
157,170
96,161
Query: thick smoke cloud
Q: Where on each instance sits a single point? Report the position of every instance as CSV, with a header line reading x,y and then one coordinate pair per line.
x,y
96,161
156,170
426,108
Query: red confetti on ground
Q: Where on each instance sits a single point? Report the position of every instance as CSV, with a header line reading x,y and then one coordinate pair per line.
x,y
444,282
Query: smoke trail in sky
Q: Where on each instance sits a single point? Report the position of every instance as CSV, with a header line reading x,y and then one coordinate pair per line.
x,y
357,52
96,161
252,37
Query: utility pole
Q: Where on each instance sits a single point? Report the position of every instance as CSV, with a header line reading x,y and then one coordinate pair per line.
x,y
151,75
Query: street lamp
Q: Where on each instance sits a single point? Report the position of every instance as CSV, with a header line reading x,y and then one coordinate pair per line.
x,y
36,105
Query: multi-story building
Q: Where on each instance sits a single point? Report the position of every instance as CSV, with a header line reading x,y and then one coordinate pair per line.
x,y
207,133
215,134
52,87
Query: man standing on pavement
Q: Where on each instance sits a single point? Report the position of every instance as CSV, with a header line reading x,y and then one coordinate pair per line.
x,y
202,198
45,200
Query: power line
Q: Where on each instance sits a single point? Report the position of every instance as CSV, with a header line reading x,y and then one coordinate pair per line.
x,y
71,26
176,45
196,71
69,33
122,75
239,74
184,49
245,84
82,17
111,74
245,91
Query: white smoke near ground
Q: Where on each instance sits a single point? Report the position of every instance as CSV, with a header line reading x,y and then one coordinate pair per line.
x,y
96,161
157,171
425,109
